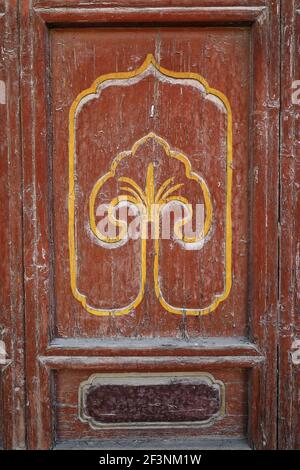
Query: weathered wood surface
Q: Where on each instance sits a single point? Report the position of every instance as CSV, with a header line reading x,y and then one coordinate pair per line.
x,y
235,45
289,328
12,403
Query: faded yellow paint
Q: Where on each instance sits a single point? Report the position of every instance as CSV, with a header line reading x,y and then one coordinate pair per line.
x,y
148,199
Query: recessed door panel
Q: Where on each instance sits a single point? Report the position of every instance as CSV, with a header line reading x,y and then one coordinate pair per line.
x,y
174,111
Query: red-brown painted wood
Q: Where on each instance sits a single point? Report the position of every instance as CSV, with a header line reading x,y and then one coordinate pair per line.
x,y
289,328
12,402
235,46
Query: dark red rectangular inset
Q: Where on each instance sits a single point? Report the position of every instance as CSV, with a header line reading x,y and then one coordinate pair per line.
x,y
150,399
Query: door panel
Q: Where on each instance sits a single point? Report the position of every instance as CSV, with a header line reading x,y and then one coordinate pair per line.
x,y
184,424
194,282
150,106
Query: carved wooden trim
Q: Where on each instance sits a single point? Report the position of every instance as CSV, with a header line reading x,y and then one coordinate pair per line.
x,y
168,15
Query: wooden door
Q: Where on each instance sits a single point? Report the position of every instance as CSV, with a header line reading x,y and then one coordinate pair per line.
x,y
143,106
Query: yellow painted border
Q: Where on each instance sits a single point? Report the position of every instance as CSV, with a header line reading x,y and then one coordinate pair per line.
x,y
150,60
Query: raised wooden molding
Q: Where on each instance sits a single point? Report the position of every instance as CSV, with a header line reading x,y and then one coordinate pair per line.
x,y
165,363
169,15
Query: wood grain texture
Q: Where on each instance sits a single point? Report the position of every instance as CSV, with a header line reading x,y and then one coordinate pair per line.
x,y
12,400
221,4
289,330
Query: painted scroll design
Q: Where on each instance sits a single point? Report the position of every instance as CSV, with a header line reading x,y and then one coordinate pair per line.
x,y
147,198
102,393
151,203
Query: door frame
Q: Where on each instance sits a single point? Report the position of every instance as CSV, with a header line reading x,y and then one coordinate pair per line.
x,y
12,380
289,320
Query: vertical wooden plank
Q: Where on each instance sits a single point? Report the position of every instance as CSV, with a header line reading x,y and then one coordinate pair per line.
x,y
36,222
264,264
289,400
11,290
